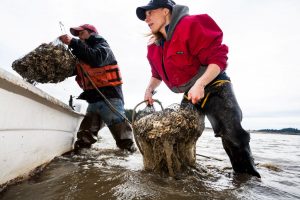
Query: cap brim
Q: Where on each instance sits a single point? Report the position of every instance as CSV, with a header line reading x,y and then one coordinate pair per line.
x,y
75,30
141,11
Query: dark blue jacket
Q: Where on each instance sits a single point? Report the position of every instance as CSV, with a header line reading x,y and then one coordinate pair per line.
x,y
96,52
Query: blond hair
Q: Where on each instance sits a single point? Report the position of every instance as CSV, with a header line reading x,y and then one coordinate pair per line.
x,y
154,38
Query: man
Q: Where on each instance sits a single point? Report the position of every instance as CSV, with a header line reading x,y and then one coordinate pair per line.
x,y
97,59
186,53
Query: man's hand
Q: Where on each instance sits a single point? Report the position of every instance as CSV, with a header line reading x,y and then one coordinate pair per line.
x,y
66,39
196,93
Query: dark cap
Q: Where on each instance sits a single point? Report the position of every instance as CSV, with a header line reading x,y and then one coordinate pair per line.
x,y
75,30
152,5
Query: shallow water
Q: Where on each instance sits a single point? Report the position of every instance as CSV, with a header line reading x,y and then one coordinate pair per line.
x,y
104,172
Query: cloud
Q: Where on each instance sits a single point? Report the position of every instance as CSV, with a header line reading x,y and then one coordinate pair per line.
x,y
262,37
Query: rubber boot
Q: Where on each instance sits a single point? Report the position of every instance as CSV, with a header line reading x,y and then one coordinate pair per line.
x,y
88,131
241,158
122,133
235,141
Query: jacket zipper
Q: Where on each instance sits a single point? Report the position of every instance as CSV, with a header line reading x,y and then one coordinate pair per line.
x,y
163,64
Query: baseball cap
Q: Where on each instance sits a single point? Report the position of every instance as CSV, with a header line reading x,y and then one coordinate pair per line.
x,y
75,30
152,5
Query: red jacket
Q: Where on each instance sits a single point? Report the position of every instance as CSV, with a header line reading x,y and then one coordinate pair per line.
x,y
194,42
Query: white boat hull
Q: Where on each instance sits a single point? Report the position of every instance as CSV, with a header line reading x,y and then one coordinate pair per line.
x,y
34,128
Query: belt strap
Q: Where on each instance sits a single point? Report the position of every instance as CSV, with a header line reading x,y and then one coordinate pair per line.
x,y
217,83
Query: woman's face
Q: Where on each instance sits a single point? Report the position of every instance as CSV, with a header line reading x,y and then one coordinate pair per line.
x,y
83,35
156,19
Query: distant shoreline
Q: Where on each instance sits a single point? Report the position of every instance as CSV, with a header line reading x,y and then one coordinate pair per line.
x,y
274,132
287,131
284,131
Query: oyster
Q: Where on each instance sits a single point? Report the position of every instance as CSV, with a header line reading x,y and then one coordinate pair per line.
x,y
48,63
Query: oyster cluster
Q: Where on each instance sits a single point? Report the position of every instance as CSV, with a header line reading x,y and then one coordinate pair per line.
x,y
167,139
48,63
169,123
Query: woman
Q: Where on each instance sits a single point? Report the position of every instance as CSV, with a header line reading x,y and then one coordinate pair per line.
x,y
186,53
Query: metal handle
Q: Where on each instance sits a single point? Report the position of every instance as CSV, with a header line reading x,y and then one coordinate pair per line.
x,y
133,115
134,112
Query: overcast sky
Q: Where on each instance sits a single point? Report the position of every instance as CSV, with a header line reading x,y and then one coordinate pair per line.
x,y
263,38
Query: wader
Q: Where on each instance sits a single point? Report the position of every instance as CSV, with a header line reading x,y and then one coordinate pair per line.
x,y
98,114
222,110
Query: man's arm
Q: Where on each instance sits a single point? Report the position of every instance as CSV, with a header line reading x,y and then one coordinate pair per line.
x,y
98,55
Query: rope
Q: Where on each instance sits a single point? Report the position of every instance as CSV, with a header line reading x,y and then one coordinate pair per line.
x,y
209,157
62,27
103,96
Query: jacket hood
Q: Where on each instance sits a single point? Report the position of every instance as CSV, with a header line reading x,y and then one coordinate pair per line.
x,y
179,11
94,39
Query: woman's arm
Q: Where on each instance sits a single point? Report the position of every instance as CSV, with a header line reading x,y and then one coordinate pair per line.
x,y
196,93
153,84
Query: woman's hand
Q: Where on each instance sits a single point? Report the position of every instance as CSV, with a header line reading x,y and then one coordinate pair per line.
x,y
153,84
196,93
148,96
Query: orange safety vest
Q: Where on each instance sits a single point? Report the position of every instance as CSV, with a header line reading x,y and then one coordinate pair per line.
x,y
103,76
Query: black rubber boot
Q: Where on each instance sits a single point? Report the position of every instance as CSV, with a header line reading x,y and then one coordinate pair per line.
x,y
122,133
79,144
235,141
241,158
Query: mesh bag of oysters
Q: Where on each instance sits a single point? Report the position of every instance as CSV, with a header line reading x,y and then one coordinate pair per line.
x,y
48,63
167,138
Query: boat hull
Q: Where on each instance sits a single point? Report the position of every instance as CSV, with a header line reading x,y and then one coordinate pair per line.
x,y
34,128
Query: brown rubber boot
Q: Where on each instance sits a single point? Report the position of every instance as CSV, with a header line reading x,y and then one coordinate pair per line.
x,y
122,133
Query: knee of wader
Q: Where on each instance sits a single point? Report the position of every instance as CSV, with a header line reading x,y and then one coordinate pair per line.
x,y
121,130
122,133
